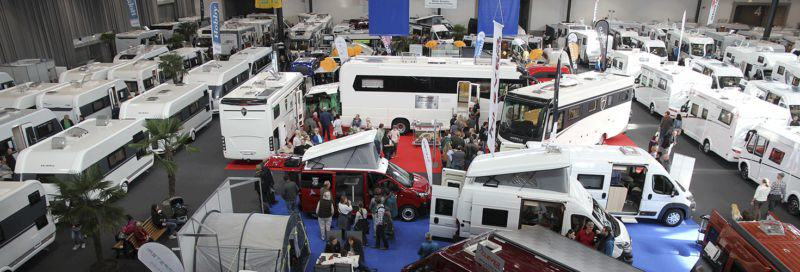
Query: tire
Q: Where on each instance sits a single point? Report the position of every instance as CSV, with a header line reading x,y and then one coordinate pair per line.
x,y
192,136
744,171
408,213
706,147
652,109
402,125
793,205
124,186
672,218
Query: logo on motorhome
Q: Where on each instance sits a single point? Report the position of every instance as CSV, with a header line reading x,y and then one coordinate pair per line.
x,y
243,111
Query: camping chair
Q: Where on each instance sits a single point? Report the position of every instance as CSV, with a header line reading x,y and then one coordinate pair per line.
x,y
323,268
342,267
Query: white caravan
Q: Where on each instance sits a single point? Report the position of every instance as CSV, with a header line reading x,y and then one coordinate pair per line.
x,y
399,90
95,142
20,129
134,38
722,75
784,95
722,40
24,96
26,224
694,45
769,150
139,76
262,27
756,62
629,62
305,36
623,39
90,71
257,58
719,119
257,118
656,31
83,100
220,76
192,56
189,103
166,29
236,36
666,87
589,43
6,81
655,47
592,107
787,72
515,190
148,52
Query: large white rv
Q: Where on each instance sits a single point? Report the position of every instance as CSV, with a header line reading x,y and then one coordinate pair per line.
x,y
655,47
22,128
139,76
257,118
400,90
722,75
148,52
134,38
220,76
629,62
720,119
784,95
6,81
95,142
305,36
90,71
192,57
257,58
26,225
693,46
769,150
756,62
166,29
82,100
262,27
623,39
722,40
666,87
589,43
189,102
515,190
787,72
24,96
236,36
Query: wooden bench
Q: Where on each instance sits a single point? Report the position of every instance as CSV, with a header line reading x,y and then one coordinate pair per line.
x,y
152,231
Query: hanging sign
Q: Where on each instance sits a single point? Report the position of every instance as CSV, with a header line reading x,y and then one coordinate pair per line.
x,y
216,42
426,155
268,4
445,4
133,13
712,12
495,88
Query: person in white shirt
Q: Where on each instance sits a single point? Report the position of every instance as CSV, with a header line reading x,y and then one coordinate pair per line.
x,y
343,222
760,197
337,126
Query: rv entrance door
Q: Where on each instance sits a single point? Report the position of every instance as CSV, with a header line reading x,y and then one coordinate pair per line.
x,y
444,204
23,137
465,90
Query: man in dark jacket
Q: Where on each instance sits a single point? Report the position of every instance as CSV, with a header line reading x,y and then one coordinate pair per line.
x,y
289,194
325,118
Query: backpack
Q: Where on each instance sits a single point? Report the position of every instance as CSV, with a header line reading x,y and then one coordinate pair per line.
x,y
362,224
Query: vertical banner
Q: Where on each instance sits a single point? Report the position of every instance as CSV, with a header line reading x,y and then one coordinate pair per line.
x,y
133,13
712,12
602,35
594,13
479,44
495,88
341,47
387,42
159,258
426,155
504,11
388,17
216,43
680,40
556,93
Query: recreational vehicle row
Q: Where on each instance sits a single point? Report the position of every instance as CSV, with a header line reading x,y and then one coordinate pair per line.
x,y
82,100
665,87
755,62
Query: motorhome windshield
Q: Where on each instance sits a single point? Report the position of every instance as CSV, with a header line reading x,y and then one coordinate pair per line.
x,y
658,51
127,56
444,35
550,180
522,120
796,81
729,81
400,175
627,41
216,91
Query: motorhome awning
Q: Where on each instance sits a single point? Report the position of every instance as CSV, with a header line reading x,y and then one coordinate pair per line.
x,y
347,142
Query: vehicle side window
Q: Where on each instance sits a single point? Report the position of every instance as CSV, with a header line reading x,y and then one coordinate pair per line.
x,y
494,217
591,181
776,156
694,109
314,180
761,145
662,185
578,221
751,145
781,69
574,113
443,207
726,117
705,114
650,83
662,84
644,80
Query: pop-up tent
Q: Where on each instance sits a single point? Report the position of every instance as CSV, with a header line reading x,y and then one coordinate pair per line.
x,y
357,151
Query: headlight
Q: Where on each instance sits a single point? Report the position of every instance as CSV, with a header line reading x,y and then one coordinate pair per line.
x,y
422,195
624,245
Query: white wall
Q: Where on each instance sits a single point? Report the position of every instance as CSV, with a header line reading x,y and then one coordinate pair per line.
x,y
725,10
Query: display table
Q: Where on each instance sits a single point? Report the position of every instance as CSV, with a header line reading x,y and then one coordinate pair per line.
x,y
428,130
331,260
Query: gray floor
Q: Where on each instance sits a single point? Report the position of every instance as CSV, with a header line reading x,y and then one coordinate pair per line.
x,y
715,185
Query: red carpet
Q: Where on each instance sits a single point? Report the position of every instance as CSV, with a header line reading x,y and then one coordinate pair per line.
x,y
241,165
620,140
409,156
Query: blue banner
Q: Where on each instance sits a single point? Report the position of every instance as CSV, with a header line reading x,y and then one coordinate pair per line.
x,y
505,12
133,13
388,18
216,42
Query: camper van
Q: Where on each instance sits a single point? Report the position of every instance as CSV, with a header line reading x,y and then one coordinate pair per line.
x,y
148,52
257,58
134,38
192,56
722,40
719,120
258,117
305,36
90,71
556,33
756,63
666,87
623,39
722,75
779,146
236,36
22,128
189,103
139,76
787,72
221,77
589,43
657,31
515,190
655,47
354,168
694,45
629,62
262,27
784,95
24,96
166,29
83,100
6,81
95,142
26,225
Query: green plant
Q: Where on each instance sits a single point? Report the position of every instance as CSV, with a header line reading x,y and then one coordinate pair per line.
x,y
110,38
86,199
188,29
165,134
459,31
177,39
400,44
172,65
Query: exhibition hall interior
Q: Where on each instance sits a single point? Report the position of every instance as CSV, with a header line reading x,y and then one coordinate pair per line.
x,y
399,135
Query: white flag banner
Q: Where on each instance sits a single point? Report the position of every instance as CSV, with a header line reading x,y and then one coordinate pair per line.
x,y
426,155
680,40
712,12
497,36
594,13
341,47
159,258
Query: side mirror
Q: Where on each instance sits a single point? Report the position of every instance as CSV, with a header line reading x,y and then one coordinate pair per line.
x,y
674,193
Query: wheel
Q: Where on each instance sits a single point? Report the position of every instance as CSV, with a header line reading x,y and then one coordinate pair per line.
x,y
744,172
192,136
706,147
402,125
408,213
794,205
124,187
652,109
672,217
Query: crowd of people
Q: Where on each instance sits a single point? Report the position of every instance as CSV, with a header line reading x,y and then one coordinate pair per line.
x,y
665,139
464,141
600,239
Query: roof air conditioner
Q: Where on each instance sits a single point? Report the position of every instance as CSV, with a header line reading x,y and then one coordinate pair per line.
x,y
58,143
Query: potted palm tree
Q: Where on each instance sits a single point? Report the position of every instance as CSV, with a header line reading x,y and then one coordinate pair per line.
x,y
166,135
189,31
172,65
86,199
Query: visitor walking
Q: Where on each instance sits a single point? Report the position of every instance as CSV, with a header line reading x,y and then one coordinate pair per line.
x,y
324,214
361,221
380,236
326,119
77,237
388,146
289,194
337,126
428,247
777,192
760,197
665,126
391,202
344,207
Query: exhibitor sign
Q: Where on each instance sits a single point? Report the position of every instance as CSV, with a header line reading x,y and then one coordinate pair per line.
x,y
445,4
488,260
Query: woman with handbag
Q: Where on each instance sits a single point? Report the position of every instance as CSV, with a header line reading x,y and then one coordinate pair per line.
x,y
362,222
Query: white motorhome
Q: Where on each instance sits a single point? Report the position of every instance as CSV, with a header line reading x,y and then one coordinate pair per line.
x,y
719,119
221,77
655,47
257,118
784,95
203,37
517,189
22,128
722,75
305,36
262,27
556,33
24,96
769,150
589,43
722,40
134,38
139,76
629,62
166,29
6,81
399,90
666,87
188,103
83,100
192,56
148,52
257,58
95,142
787,72
26,224
693,46
236,36
756,62
623,39
90,71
